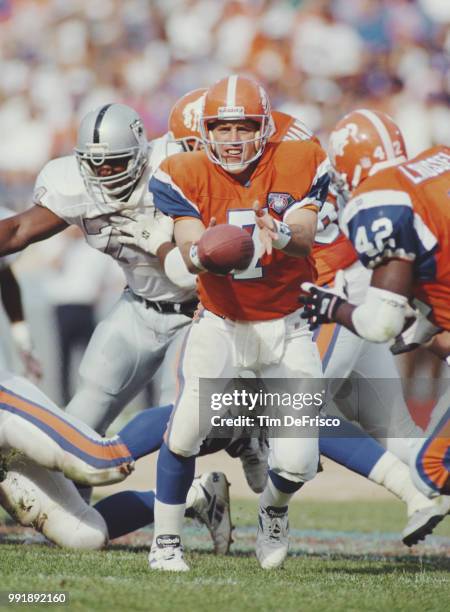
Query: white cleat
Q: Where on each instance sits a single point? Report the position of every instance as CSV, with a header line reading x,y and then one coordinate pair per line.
x,y
272,539
255,464
46,500
422,522
166,554
212,508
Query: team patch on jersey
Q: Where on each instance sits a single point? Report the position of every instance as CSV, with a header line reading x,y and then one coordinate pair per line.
x,y
279,202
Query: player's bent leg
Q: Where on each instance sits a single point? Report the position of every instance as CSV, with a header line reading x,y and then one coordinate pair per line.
x,y
165,377
207,501
351,447
124,352
49,502
430,465
33,425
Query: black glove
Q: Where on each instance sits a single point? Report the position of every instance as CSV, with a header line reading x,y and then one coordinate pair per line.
x,y
321,304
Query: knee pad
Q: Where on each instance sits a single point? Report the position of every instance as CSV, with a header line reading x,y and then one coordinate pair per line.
x,y
179,451
300,471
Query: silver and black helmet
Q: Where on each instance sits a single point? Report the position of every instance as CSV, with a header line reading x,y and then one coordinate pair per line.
x,y
110,133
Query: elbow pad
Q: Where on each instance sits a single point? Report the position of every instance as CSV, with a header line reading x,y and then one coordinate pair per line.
x,y
381,316
176,270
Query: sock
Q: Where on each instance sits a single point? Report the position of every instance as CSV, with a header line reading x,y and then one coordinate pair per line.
x,y
395,476
168,519
143,435
173,480
127,511
278,491
350,446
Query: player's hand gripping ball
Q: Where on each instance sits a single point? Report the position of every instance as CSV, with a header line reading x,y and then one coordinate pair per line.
x,y
223,248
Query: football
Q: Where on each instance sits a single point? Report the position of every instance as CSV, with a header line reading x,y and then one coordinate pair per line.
x,y
225,247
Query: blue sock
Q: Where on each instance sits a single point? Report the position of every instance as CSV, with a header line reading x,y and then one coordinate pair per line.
x,y
126,511
143,435
174,476
283,484
350,446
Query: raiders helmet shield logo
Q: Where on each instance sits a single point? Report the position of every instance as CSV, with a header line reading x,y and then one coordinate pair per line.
x,y
279,202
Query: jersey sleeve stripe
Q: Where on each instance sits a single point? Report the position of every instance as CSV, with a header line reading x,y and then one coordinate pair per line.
x,y
381,197
169,198
318,192
425,235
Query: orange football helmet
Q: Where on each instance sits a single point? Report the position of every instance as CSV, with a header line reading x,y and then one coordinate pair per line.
x,y
236,98
362,143
184,119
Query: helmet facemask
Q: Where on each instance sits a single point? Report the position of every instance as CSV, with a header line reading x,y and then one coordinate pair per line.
x,y
187,143
116,188
214,147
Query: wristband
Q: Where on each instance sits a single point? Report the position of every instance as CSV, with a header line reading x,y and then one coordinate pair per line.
x,y
284,235
193,256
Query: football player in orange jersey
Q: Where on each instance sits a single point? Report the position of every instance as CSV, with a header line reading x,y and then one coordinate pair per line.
x,y
380,408
249,319
385,459
398,220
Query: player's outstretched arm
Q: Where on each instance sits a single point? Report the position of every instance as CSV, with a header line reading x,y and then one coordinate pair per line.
x,y
33,225
187,233
153,234
303,225
295,238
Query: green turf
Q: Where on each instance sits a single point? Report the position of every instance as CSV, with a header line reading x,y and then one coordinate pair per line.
x,y
119,579
363,516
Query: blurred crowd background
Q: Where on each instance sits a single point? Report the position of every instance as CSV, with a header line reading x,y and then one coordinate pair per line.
x,y
317,58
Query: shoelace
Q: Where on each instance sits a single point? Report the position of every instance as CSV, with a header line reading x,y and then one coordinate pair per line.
x,y
172,553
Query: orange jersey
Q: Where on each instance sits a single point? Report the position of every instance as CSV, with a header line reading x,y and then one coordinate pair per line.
x,y
289,176
403,212
332,257
332,250
290,128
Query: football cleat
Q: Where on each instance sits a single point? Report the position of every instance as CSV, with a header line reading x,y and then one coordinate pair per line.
x,y
49,502
212,508
254,463
166,554
272,539
422,522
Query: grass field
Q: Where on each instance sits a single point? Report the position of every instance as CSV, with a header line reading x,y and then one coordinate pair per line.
x,y
344,556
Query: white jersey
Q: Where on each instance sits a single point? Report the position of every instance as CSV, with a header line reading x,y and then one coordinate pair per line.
x,y
60,188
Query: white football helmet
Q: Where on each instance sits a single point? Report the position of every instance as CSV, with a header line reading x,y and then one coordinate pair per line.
x,y
106,135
